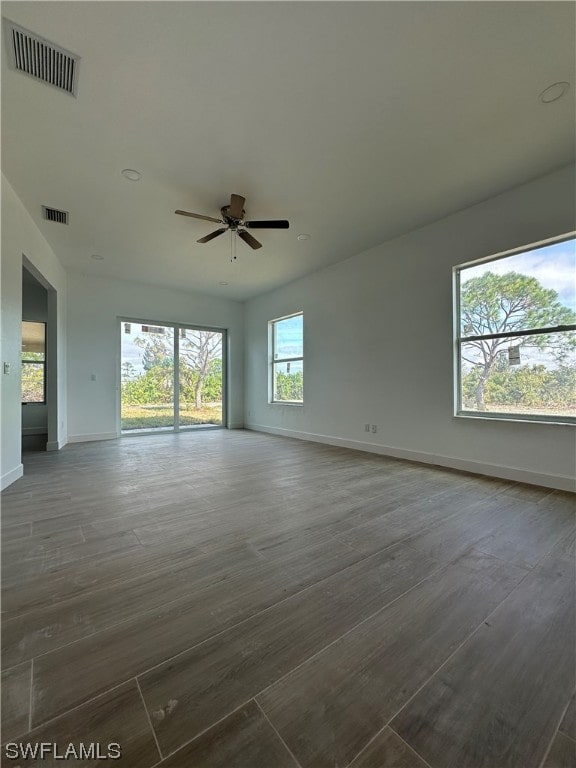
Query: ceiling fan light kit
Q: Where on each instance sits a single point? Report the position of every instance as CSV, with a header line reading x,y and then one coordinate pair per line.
x,y
233,218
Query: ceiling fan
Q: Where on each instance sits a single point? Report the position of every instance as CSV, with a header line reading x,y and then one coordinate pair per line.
x,y
233,218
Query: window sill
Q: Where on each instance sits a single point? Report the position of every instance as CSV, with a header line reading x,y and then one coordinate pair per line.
x,y
285,402
564,422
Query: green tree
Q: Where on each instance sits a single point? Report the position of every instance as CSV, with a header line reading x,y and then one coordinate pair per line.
x,y
157,350
198,350
289,386
212,387
200,363
509,303
153,387
32,377
128,371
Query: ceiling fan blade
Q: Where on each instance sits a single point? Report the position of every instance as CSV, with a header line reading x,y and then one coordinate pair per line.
x,y
212,235
236,206
273,224
199,216
247,237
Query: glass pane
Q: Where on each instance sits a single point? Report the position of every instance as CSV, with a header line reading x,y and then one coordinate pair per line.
x,y
33,341
147,376
534,289
289,382
288,337
32,382
200,377
530,375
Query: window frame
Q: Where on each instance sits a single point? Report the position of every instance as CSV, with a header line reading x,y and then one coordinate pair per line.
x,y
37,362
275,361
459,411
176,329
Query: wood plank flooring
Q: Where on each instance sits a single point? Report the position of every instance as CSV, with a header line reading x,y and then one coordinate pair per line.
x,y
238,600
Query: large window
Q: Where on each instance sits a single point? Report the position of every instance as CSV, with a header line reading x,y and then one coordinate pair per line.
x,y
33,362
287,359
172,377
516,334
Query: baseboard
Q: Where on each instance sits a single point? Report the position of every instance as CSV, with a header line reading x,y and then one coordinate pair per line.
x,y
559,482
90,438
11,477
34,430
236,425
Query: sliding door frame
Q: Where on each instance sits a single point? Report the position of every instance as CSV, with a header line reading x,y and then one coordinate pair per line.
x,y
176,327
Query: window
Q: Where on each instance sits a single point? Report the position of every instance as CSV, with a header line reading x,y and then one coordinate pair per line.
x,y
516,334
287,359
172,377
33,362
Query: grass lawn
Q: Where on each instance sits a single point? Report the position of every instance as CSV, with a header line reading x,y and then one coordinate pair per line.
x,y
154,416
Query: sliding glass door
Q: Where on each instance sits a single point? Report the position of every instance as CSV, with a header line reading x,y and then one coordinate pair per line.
x,y
172,377
200,379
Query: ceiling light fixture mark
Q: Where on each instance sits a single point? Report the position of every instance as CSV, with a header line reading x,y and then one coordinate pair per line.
x,y
554,92
97,257
131,174
303,236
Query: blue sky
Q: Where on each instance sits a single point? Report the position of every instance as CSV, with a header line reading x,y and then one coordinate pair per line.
x,y
554,266
289,337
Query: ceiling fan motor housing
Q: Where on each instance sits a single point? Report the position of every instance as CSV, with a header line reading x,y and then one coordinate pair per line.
x,y
231,220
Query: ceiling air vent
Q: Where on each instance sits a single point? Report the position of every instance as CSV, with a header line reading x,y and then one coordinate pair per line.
x,y
41,59
53,214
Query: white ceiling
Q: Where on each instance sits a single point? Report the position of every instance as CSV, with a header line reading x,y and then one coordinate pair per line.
x,y
355,121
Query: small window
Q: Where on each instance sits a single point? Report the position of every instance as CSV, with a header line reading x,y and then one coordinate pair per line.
x,y
33,362
287,359
516,334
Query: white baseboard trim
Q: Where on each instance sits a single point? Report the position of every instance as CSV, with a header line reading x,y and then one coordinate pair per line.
x,y
11,477
559,482
56,445
34,431
90,438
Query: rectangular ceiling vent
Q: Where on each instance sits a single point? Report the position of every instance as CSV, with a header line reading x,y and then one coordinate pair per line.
x,y
41,59
53,214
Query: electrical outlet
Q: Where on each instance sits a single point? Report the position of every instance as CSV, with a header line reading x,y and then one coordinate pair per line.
x,y
374,428
366,427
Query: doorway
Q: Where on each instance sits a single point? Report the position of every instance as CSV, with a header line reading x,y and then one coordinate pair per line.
x,y
39,362
172,377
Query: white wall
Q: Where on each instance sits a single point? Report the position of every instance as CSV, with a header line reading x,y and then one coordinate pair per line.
x,y
22,238
378,345
95,304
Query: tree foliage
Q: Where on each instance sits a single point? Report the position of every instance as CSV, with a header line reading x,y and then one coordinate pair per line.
x,y
200,370
289,386
509,303
33,372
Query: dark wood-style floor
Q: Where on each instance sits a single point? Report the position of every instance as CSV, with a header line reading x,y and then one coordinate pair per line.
x,y
237,600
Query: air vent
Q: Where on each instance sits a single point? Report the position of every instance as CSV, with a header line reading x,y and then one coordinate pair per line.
x,y
53,214
41,59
